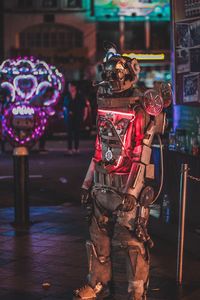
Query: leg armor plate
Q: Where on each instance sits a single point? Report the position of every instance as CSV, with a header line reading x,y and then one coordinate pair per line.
x,y
137,272
98,255
98,252
137,261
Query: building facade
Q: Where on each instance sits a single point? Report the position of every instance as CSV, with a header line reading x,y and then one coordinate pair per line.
x,y
70,34
55,30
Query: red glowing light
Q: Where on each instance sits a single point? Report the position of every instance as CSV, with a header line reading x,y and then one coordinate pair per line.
x,y
116,112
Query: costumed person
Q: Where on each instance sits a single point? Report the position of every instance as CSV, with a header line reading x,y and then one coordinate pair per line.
x,y
118,187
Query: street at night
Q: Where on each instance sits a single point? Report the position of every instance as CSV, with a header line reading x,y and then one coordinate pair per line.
x,y
48,260
99,150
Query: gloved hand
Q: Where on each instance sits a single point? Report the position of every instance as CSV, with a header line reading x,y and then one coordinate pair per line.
x,y
128,203
85,196
87,203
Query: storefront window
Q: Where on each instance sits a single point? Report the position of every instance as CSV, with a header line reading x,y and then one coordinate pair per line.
x,y
25,4
134,36
158,30
38,39
107,31
55,36
49,3
46,42
72,4
31,39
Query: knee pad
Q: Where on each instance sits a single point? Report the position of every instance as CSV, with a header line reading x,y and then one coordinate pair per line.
x,y
92,254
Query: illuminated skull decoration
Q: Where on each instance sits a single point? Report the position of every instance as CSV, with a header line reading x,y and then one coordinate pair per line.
x,y
33,89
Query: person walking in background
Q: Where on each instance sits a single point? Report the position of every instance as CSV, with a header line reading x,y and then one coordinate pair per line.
x,y
74,112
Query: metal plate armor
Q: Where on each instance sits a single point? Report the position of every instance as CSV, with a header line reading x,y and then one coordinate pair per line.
x,y
113,129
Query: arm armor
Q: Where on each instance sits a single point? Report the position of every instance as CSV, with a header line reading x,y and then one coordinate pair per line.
x,y
88,181
142,168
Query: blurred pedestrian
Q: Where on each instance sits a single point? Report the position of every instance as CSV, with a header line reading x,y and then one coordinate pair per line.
x,y
74,112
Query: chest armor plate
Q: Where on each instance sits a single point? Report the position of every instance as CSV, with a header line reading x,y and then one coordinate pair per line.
x,y
113,129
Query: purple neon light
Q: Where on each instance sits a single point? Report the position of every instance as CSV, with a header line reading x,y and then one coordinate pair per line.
x,y
41,86
37,132
24,78
10,87
23,110
16,70
30,79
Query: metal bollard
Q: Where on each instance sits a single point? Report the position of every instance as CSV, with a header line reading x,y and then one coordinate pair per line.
x,y
181,227
21,178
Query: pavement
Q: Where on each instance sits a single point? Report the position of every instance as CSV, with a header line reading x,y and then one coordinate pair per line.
x,y
47,260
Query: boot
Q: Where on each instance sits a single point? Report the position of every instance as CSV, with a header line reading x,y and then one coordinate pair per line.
x,y
88,293
135,296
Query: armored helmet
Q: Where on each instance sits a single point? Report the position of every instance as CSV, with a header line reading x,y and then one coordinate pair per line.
x,y
119,72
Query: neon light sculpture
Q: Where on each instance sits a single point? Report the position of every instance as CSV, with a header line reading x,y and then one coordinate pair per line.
x,y
23,79
10,88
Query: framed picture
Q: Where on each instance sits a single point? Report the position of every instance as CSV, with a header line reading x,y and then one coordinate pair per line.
x,y
182,35
195,59
195,34
192,8
183,60
191,88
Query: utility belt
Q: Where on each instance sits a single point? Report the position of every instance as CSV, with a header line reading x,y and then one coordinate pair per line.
x,y
116,181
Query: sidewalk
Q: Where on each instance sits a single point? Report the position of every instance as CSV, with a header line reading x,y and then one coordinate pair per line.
x,y
169,232
52,251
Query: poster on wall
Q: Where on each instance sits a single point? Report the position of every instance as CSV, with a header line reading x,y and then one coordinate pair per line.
x,y
195,59
182,35
191,88
183,60
192,8
195,34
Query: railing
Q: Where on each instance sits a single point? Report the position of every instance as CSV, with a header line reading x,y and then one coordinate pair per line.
x,y
181,227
